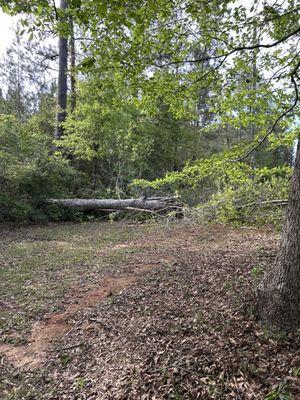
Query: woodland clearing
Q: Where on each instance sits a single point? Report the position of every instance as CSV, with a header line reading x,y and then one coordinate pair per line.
x,y
139,311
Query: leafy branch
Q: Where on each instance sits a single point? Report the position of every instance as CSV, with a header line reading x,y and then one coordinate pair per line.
x,y
294,75
234,50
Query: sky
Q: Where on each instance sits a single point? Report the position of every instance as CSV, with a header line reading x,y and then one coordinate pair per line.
x,y
7,24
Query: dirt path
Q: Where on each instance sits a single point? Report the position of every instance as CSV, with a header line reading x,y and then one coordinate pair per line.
x,y
45,333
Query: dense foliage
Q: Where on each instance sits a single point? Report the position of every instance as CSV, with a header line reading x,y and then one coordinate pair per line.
x,y
28,174
171,97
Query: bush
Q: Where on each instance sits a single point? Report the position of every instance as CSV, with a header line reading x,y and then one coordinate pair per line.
x,y
224,191
44,178
249,204
27,173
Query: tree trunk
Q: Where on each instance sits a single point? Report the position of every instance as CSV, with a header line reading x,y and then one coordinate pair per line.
x,y
62,81
253,88
279,293
72,69
152,203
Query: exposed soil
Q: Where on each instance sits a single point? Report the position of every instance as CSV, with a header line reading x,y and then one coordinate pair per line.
x,y
173,318
45,333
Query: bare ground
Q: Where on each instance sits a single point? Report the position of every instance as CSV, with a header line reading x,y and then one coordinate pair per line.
x,y
154,312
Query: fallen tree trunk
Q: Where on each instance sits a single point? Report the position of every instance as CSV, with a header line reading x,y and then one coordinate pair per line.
x,y
143,203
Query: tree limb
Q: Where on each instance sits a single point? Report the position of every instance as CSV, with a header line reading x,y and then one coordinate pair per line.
x,y
281,116
234,50
263,203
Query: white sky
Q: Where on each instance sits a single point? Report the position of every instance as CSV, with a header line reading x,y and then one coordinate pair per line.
x,y
7,23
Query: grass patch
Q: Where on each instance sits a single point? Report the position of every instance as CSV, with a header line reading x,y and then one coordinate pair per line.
x,y
41,265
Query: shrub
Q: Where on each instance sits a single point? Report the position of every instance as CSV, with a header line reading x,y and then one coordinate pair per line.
x,y
28,174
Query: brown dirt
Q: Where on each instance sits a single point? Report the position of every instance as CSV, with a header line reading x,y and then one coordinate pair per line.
x,y
45,333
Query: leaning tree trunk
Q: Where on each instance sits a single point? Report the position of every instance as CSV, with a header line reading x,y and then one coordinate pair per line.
x,y
62,80
279,293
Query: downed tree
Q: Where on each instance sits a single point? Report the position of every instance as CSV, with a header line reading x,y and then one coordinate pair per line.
x,y
141,204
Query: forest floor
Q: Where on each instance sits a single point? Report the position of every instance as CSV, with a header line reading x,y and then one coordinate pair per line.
x,y
139,311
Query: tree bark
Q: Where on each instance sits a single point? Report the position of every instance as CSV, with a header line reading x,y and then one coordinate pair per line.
x,y
73,65
152,203
279,292
62,86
